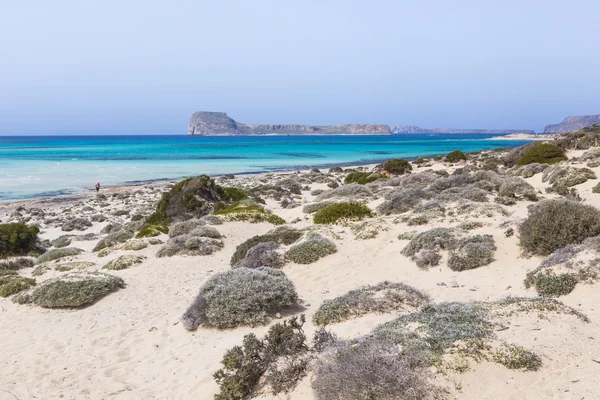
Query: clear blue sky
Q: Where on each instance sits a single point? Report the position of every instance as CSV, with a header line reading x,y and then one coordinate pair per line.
x,y
129,66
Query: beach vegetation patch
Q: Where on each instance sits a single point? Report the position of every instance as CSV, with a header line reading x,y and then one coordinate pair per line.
x,y
543,153
74,289
311,250
381,298
455,156
472,252
552,224
124,262
262,255
513,356
281,235
342,212
240,296
190,245
281,357
549,284
17,239
362,178
16,263
246,211
113,239
12,284
56,254
152,230
397,166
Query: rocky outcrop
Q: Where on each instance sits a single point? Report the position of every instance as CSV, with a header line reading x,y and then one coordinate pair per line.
x,y
415,129
205,123
573,123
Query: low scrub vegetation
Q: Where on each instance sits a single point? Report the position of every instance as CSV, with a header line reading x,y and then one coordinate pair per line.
x,y
262,255
542,153
241,296
17,239
397,166
248,212
190,245
281,235
362,178
124,262
56,254
342,212
553,224
455,156
279,360
75,289
383,297
311,250
12,283
16,263
113,239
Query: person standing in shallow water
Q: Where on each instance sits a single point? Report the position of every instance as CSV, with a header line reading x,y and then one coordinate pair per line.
x,y
97,187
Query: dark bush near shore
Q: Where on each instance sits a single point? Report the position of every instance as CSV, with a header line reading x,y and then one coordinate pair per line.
x,y
455,156
543,153
362,178
553,224
397,166
17,239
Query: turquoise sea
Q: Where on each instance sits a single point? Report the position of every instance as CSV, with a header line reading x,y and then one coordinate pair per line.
x,y
42,166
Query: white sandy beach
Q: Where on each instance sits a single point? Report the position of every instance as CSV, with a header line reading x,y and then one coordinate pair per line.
x,y
131,345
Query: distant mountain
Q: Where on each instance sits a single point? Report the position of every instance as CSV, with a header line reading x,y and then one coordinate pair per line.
x,y
415,129
206,123
573,123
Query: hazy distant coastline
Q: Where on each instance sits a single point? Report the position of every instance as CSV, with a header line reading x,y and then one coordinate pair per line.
x,y
206,123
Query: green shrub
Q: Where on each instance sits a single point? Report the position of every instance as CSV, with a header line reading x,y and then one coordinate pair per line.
x,y
543,153
282,235
433,239
184,227
314,207
152,230
247,212
17,263
342,212
362,178
596,189
513,356
472,252
124,262
455,156
383,297
311,250
549,284
240,296
11,284
190,245
262,255
55,254
243,366
113,239
17,239
74,289
553,224
134,245
397,166
231,194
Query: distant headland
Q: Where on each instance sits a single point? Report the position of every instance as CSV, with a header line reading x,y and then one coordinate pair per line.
x,y
207,123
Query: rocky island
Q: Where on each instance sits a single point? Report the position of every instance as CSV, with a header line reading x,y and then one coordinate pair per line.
x,y
416,129
206,123
573,123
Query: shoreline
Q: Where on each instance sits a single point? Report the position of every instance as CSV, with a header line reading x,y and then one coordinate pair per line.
x,y
131,184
